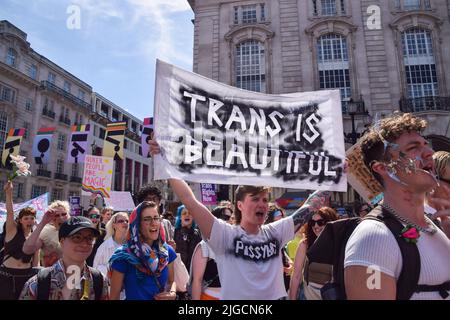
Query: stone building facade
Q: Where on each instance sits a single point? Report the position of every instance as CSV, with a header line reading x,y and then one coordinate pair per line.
x,y
383,55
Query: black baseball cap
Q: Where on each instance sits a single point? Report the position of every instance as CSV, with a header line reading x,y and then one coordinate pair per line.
x,y
75,224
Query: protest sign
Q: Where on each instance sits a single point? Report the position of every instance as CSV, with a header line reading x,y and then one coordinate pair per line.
x,y
75,205
211,132
97,175
209,197
360,177
120,201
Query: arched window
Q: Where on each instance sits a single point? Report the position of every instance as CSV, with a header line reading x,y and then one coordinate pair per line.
x,y
11,57
333,65
250,66
3,129
420,66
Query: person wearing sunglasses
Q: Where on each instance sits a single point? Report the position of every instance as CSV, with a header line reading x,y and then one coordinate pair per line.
x,y
70,278
16,266
308,278
94,215
144,265
116,235
45,236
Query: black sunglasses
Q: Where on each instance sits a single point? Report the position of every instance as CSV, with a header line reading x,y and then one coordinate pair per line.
x,y
94,216
320,222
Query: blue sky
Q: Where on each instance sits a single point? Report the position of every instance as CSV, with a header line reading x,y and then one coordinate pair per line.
x,y
116,46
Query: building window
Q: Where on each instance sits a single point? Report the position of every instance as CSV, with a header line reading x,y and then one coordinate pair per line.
x,y
80,94
11,57
249,14
411,4
420,67
263,12
333,65
125,144
236,15
137,176
57,194
144,174
51,77
102,133
95,130
33,72
18,189
75,170
7,94
60,166
36,191
328,7
250,66
61,142
118,175
29,105
3,129
67,86
342,6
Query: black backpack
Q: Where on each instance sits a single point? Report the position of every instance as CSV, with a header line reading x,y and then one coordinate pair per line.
x,y
329,248
44,282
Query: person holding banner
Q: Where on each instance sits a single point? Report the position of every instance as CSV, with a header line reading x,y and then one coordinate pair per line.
x,y
248,253
17,266
144,265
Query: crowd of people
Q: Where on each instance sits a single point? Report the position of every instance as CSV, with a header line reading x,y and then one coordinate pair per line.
x,y
248,250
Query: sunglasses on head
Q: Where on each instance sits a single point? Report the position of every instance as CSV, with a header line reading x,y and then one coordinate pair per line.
x,y
94,216
320,222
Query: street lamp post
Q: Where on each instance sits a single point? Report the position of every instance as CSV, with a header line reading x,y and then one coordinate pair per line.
x,y
357,108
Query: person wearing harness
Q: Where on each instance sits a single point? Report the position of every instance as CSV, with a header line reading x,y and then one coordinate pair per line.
x,y
70,278
16,267
401,160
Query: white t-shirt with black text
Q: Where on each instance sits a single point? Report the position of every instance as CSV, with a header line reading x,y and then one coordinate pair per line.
x,y
250,266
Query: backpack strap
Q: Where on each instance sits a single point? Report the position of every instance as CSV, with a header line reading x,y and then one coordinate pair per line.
x,y
97,279
407,282
43,283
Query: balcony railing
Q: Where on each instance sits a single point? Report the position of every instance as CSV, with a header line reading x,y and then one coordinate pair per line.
x,y
424,104
75,179
43,173
47,85
61,176
64,120
48,113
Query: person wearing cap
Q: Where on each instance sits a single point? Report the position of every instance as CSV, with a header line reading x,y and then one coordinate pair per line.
x,y
70,277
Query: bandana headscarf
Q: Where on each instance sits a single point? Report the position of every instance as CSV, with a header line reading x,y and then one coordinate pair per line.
x,y
148,260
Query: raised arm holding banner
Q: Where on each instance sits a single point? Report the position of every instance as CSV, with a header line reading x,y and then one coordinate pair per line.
x,y
215,133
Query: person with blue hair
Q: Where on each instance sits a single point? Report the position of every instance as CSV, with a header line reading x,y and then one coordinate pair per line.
x,y
186,235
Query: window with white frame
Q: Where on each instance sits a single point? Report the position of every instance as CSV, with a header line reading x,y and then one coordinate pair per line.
x,y
420,65
411,4
36,191
11,57
333,65
61,141
7,94
59,166
67,86
18,190
33,71
29,104
250,66
249,14
80,94
51,77
328,7
57,194
75,170
3,129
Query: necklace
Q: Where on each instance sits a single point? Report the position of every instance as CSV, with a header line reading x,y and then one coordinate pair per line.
x,y
430,230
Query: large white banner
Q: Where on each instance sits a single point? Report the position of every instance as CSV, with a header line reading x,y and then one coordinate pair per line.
x,y
214,133
40,204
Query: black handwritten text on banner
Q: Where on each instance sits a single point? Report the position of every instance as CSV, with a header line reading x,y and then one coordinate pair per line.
x,y
211,132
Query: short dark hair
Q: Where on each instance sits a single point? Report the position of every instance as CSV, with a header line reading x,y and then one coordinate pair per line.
x,y
147,190
240,194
